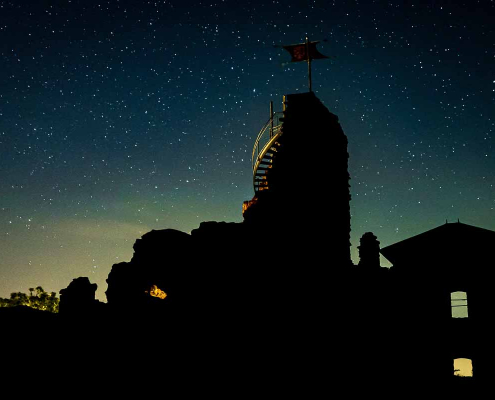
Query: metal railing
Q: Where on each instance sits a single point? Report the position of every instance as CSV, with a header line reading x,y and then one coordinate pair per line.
x,y
268,134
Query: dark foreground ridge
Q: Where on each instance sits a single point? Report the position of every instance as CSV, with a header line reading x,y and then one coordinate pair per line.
x,y
274,304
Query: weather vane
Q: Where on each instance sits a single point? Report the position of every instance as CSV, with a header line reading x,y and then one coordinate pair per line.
x,y
305,52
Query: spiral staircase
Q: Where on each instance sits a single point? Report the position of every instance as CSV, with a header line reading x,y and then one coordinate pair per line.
x,y
264,156
265,152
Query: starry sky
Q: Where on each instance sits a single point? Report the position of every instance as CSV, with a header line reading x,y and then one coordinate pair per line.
x,y
118,117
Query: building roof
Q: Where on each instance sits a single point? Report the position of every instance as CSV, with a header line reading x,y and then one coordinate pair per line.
x,y
451,240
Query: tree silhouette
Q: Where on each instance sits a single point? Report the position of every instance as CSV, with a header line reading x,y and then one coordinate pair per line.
x,y
38,299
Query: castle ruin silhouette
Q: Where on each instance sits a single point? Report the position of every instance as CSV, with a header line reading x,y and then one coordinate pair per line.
x,y
282,281
276,298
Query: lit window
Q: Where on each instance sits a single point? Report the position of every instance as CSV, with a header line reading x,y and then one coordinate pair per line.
x,y
463,367
155,291
458,301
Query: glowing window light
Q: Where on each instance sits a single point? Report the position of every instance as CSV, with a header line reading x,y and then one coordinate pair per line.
x,y
155,291
463,367
459,304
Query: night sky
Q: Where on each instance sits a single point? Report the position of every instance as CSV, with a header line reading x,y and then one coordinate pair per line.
x,y
118,117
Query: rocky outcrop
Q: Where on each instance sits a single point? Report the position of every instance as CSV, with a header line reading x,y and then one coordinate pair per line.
x,y
161,259
79,298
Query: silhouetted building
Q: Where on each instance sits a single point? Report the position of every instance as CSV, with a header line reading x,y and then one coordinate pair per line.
x,y
445,280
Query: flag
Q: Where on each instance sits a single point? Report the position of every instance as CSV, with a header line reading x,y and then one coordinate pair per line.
x,y
299,52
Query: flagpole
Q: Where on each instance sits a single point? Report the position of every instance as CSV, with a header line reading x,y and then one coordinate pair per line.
x,y
305,51
309,64
271,119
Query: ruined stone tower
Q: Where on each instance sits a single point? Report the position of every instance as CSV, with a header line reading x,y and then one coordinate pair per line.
x,y
301,182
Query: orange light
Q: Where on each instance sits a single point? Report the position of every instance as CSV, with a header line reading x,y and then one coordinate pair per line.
x,y
248,204
155,291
